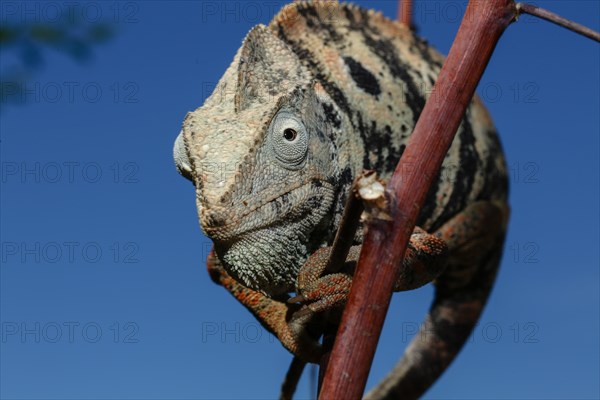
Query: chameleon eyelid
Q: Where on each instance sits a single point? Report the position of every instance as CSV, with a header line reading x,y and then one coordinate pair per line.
x,y
180,156
289,153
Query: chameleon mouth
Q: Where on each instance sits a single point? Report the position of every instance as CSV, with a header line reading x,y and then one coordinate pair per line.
x,y
221,224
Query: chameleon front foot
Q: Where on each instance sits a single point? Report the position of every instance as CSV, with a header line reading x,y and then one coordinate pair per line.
x,y
320,293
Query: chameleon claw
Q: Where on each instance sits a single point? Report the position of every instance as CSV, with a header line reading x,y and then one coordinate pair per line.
x,y
302,313
296,299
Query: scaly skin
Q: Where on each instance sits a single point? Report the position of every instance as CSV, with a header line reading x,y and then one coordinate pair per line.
x,y
309,102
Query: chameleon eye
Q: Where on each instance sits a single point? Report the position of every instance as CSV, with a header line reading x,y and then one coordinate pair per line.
x,y
289,140
289,134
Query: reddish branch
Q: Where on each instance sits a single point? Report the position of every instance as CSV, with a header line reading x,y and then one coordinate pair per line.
x,y
339,252
386,240
405,12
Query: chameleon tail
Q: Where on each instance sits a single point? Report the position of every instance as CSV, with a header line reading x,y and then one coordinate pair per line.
x,y
452,317
292,377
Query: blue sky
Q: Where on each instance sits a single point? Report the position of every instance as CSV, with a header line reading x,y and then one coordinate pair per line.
x,y
104,292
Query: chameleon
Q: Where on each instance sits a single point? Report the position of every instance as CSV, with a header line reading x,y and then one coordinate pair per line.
x,y
322,93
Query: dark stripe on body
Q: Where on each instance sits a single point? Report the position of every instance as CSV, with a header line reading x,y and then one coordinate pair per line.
x,y
311,16
363,78
496,181
385,50
306,57
462,184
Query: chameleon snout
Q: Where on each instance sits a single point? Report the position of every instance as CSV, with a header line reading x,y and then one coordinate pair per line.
x,y
212,218
221,224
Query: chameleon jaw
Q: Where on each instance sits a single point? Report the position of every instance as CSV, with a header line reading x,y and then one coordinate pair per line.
x,y
223,224
261,251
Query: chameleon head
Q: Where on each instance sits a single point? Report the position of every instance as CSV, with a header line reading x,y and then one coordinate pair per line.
x,y
261,154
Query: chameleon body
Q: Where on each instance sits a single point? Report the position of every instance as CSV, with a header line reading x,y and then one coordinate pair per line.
x,y
322,93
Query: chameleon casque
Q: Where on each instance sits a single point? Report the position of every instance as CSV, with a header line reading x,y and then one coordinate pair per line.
x,y
322,93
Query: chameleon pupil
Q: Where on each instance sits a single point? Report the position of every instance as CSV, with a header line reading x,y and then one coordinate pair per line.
x,y
289,134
